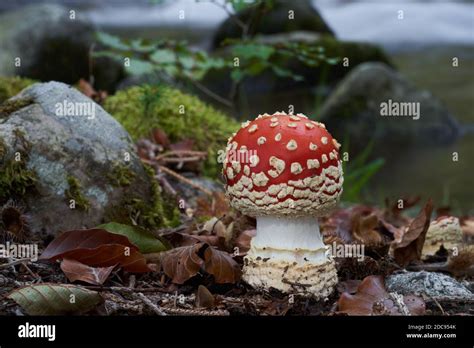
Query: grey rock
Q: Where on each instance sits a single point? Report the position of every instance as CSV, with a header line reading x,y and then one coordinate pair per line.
x,y
354,109
191,194
52,46
59,148
429,283
306,17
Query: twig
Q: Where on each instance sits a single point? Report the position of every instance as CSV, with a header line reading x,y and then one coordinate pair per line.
x,y
14,263
438,304
156,309
185,180
181,159
211,94
124,289
196,312
180,152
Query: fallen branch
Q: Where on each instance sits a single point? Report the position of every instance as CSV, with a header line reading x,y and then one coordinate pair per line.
x,y
196,312
15,262
156,309
184,180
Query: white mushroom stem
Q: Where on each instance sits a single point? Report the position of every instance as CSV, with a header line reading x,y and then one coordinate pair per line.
x,y
290,240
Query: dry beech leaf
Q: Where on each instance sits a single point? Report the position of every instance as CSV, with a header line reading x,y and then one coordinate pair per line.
x,y
222,266
55,299
204,298
183,263
96,248
411,244
373,299
364,230
183,145
242,242
160,137
77,271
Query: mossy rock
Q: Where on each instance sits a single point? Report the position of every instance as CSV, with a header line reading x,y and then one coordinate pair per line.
x,y
11,86
181,116
70,172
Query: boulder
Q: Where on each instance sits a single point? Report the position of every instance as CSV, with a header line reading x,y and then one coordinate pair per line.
x,y
428,283
52,46
71,164
273,20
376,103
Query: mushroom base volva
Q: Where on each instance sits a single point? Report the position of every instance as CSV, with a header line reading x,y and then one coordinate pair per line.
x,y
303,279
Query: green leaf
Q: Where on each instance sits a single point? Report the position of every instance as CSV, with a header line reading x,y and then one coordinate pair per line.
x,y
55,299
252,50
239,5
237,75
143,239
163,56
139,67
111,41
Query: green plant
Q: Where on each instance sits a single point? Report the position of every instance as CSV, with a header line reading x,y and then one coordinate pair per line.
x,y
243,57
358,172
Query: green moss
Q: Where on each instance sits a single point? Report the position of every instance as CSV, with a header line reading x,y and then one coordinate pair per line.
x,y
15,177
142,108
121,175
74,192
3,149
159,211
10,106
11,86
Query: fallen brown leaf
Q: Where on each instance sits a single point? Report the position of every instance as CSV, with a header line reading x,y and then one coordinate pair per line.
x,y
75,270
242,242
160,137
96,248
373,299
183,263
411,244
222,266
87,89
204,298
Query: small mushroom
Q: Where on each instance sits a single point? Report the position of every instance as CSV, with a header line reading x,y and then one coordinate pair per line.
x,y
298,178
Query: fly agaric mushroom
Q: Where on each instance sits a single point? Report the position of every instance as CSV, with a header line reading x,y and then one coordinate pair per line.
x,y
285,171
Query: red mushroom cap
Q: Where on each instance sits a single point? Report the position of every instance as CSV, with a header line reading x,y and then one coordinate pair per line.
x,y
283,165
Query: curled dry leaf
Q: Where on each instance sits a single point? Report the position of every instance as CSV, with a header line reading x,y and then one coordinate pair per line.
x,y
77,271
183,263
410,247
160,137
242,242
204,298
55,299
222,266
373,299
96,248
